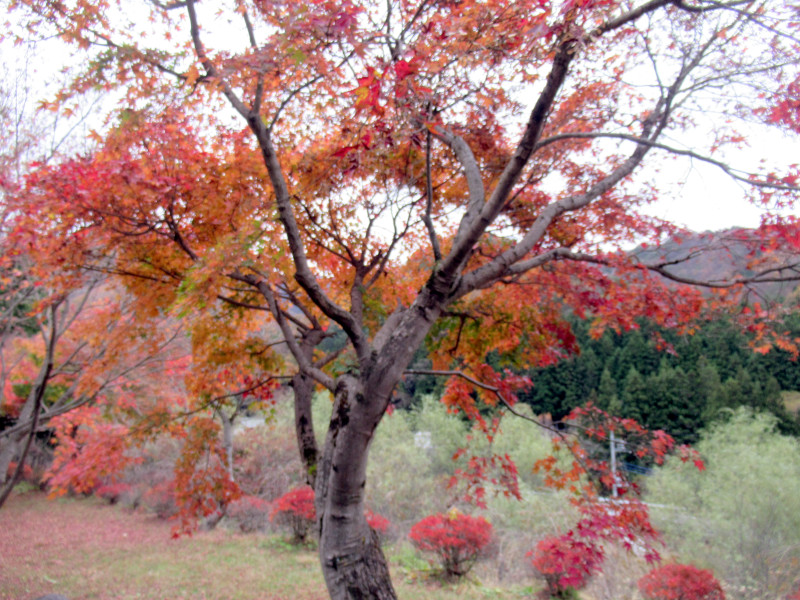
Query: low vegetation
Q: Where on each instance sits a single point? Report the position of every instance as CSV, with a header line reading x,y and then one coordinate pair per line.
x,y
738,519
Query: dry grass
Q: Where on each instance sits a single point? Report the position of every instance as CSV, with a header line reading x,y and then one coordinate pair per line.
x,y
792,401
88,550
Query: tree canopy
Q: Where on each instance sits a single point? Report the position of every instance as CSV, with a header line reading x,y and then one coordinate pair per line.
x,y
459,174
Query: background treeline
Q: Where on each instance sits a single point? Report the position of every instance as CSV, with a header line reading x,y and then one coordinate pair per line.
x,y
680,384
681,389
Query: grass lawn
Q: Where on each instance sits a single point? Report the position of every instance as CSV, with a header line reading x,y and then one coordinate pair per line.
x,y
86,550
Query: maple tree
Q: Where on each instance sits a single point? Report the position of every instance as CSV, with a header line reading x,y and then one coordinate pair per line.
x,y
86,356
459,174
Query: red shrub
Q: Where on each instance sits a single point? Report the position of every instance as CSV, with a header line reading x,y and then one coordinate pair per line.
x,y
458,540
296,507
112,491
565,563
26,475
249,513
378,522
794,595
680,582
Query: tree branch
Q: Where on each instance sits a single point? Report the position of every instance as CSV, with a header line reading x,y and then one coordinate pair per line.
x,y
737,174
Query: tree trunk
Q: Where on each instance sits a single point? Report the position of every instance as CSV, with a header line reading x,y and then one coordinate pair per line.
x,y
22,441
11,446
227,439
353,563
303,387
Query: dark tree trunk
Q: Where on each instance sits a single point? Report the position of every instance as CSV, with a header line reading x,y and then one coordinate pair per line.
x,y
21,442
352,561
303,387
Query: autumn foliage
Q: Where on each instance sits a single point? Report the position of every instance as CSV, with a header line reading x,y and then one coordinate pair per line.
x,y
459,175
379,524
680,582
565,563
456,539
296,509
249,513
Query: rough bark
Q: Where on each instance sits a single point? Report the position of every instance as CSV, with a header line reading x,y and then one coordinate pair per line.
x,y
353,563
227,439
303,387
21,442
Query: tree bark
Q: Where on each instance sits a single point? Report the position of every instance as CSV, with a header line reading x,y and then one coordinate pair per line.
x,y
227,438
303,387
352,561
21,442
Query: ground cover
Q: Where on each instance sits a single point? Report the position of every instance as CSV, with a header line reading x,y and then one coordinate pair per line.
x,y
89,550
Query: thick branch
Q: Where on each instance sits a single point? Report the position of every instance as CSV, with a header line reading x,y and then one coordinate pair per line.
x,y
304,275
471,232
477,194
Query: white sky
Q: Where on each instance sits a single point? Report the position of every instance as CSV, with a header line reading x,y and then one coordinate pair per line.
x,y
702,197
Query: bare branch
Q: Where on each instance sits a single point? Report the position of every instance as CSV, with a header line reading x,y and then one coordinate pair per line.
x,y
437,251
737,174
306,366
484,386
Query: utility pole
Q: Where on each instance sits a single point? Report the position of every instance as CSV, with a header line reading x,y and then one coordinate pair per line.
x,y
613,465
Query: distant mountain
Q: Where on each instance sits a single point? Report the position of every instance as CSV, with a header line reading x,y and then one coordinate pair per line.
x,y
717,257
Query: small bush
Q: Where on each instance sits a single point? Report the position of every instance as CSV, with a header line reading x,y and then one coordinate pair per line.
x,y
680,582
296,508
379,524
458,540
250,513
565,563
112,492
26,475
160,499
